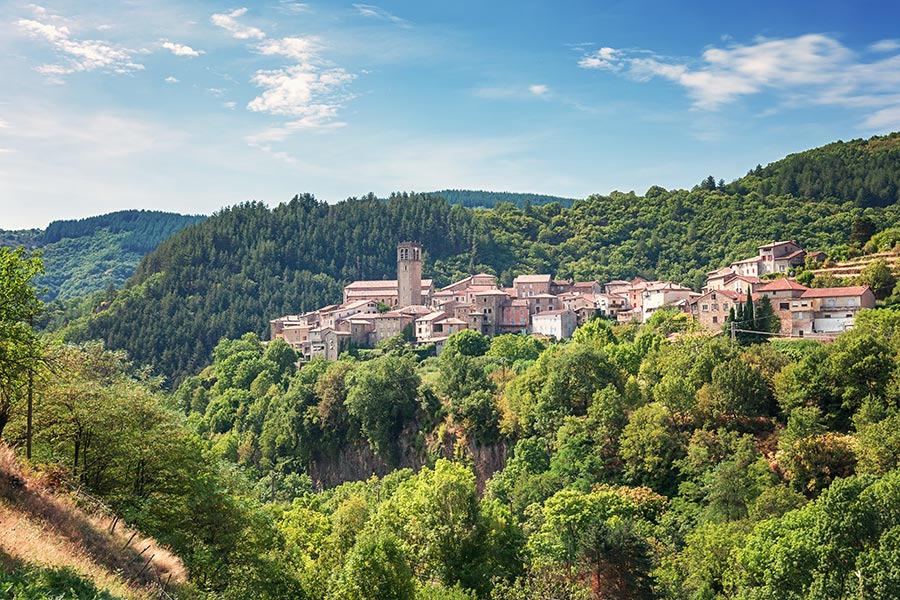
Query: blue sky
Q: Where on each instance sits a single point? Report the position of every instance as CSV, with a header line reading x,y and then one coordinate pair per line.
x,y
192,106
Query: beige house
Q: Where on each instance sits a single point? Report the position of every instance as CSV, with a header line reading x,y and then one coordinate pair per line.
x,y
327,343
385,291
781,293
532,285
712,308
828,311
559,324
657,294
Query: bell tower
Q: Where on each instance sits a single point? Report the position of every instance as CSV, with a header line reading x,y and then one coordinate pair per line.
x,y
409,273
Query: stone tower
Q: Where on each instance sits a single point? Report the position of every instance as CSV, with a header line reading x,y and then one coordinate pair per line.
x,y
409,273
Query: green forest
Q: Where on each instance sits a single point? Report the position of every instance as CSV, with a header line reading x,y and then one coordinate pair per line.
x,y
483,199
248,264
90,255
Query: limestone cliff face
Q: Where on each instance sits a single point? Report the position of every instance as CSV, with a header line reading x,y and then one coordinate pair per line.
x,y
358,462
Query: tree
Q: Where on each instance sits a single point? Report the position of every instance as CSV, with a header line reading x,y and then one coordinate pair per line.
x,y
879,277
649,444
375,569
19,347
381,395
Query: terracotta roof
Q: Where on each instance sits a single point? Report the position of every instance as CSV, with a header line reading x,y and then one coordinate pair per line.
x,y
748,278
747,260
435,316
618,282
551,313
491,292
453,321
791,255
587,284
781,284
855,290
773,244
532,279
380,284
727,293
724,271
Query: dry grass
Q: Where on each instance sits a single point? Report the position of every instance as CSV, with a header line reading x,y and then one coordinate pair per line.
x,y
41,527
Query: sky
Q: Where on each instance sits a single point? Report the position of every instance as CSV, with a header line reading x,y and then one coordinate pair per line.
x,y
192,106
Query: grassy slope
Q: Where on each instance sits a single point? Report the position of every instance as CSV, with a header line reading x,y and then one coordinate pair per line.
x,y
47,543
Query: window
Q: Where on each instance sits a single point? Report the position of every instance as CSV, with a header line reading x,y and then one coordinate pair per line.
x,y
783,306
715,318
704,307
715,307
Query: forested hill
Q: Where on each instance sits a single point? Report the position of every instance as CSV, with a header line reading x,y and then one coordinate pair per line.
x,y
85,255
483,199
247,264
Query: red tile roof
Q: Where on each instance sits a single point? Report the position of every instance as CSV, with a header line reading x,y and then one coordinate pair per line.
x,y
854,290
782,284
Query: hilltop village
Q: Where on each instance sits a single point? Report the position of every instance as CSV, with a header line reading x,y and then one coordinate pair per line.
x,y
374,311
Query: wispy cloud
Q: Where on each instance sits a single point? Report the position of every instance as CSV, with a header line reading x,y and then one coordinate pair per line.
x,y
539,89
77,55
228,22
181,49
376,12
171,79
809,69
294,7
885,46
308,89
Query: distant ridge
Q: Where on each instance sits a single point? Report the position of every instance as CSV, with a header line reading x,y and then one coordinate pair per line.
x,y
485,199
82,256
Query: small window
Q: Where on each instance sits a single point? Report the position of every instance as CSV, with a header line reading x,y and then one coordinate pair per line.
x,y
715,318
783,306
704,307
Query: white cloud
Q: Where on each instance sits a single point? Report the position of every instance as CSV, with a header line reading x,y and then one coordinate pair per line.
x,y
604,58
886,118
229,105
215,91
171,79
809,69
295,7
885,46
539,89
292,91
228,22
299,49
181,49
375,12
78,55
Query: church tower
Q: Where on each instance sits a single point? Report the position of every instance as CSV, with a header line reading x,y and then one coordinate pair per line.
x,y
409,273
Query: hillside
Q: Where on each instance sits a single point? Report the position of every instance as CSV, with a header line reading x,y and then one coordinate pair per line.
x,y
247,264
483,199
87,255
50,547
